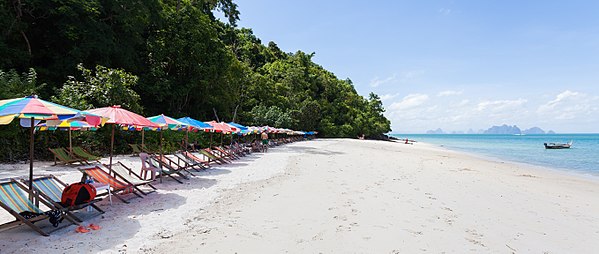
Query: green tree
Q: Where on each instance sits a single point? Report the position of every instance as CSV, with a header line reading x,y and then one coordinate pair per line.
x,y
102,88
13,85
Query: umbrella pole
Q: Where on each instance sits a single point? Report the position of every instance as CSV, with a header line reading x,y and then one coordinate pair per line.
x,y
187,139
161,144
31,158
70,142
221,139
143,131
111,148
210,144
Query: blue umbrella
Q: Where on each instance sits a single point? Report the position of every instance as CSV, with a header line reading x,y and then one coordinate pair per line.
x,y
195,124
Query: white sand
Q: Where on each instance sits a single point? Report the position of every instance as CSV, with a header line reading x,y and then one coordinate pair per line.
x,y
343,196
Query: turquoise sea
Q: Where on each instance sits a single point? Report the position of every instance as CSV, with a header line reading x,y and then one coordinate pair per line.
x,y
583,157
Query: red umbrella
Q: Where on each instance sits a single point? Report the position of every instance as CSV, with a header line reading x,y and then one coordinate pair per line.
x,y
122,117
222,127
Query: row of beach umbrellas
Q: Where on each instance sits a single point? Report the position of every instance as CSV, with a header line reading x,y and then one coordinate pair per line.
x,y
38,114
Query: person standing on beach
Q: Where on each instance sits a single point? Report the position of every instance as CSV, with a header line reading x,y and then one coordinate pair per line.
x,y
264,137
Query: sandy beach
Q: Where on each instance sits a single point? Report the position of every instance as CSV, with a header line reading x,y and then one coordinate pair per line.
x,y
339,196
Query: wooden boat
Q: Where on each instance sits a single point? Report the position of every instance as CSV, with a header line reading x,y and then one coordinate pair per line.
x,y
558,145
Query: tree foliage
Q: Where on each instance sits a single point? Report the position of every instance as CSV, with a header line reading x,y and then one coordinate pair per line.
x,y
173,57
102,88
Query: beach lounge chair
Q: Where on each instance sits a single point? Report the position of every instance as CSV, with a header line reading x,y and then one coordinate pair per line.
x,y
195,158
51,188
119,188
255,146
234,149
213,157
63,156
225,153
122,172
166,169
192,161
171,165
135,148
14,198
81,153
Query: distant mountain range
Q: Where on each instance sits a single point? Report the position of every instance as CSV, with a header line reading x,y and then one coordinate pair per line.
x,y
503,129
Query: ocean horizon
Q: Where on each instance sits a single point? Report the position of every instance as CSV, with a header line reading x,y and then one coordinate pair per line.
x,y
582,158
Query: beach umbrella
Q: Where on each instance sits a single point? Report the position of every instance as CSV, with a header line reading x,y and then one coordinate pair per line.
x,y
71,124
123,117
170,123
199,125
30,110
223,128
242,129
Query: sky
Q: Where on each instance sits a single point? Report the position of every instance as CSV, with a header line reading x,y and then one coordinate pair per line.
x,y
454,65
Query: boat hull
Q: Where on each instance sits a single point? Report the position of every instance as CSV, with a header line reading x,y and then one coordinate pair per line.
x,y
556,146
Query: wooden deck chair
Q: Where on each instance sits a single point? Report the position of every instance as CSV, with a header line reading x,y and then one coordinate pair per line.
x,y
81,153
224,153
232,150
124,173
195,158
14,198
236,149
166,170
50,188
135,148
63,156
171,166
191,163
119,188
213,157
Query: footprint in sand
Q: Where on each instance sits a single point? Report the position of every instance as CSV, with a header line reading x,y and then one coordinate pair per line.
x,y
475,237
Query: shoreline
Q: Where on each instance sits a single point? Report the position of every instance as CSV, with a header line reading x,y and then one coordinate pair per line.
x,y
340,196
558,170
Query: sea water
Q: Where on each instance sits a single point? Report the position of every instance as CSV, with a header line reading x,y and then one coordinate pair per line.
x,y
583,157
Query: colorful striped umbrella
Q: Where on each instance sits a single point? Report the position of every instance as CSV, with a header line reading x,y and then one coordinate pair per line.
x,y
199,125
123,117
67,125
32,108
196,124
168,122
222,127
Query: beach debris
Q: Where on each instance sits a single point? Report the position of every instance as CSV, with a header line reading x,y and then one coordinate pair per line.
x,y
165,234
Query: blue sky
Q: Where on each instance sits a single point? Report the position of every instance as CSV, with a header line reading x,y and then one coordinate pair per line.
x,y
453,65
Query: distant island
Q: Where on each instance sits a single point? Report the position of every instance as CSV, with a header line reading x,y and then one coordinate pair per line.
x,y
503,129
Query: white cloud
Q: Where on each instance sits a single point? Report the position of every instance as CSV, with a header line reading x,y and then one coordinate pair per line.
x,y
559,100
403,77
500,105
386,97
449,93
566,111
410,101
569,105
375,82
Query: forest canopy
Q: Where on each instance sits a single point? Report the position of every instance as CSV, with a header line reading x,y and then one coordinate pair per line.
x,y
173,57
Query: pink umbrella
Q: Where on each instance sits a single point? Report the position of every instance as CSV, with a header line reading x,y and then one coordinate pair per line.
x,y
223,128
122,117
